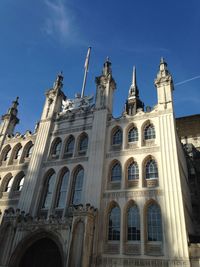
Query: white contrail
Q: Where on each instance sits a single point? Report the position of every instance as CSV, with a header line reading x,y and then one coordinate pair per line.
x,y
188,80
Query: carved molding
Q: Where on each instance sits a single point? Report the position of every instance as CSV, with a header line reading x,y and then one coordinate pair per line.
x,y
64,161
18,167
72,130
111,261
130,152
133,194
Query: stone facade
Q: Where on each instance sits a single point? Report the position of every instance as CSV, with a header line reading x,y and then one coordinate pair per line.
x,y
87,189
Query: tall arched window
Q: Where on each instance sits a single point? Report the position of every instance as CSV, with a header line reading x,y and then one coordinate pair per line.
x,y
29,151
62,192
133,171
9,185
117,137
18,153
151,169
83,143
6,153
20,184
56,148
133,135
48,191
116,172
69,148
149,132
133,223
154,223
77,187
114,224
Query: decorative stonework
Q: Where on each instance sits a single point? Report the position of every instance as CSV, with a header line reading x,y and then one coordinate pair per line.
x,y
76,105
72,130
147,150
64,161
128,262
133,194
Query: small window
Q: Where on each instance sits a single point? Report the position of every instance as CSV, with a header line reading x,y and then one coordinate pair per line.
x,y
29,151
7,155
133,135
69,148
20,184
149,132
154,223
18,153
133,224
83,145
133,171
62,190
151,169
48,191
114,224
56,148
77,187
9,185
117,137
116,173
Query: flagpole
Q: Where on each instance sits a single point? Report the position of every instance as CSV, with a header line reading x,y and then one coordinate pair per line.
x,y
86,71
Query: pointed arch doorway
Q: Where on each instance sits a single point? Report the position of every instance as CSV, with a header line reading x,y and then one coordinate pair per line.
x,y
42,253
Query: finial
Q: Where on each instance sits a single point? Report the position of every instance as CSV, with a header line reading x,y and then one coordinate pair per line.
x,y
107,67
162,60
134,76
58,83
15,103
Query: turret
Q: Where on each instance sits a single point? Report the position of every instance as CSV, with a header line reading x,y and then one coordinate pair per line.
x,y
9,120
133,102
164,85
105,88
54,97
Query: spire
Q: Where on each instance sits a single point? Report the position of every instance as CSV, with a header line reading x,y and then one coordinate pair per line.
x,y
133,91
133,103
107,67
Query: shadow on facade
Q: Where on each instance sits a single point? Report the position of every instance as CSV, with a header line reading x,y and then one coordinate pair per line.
x,y
38,250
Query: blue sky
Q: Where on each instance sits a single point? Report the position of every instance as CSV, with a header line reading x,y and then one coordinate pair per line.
x,y
40,38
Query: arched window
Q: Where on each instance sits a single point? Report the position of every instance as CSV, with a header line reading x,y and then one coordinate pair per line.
x,y
77,187
20,184
149,132
9,185
18,153
151,169
69,148
133,135
133,223
48,191
56,148
62,192
83,143
6,153
117,137
116,172
29,151
154,223
114,224
133,171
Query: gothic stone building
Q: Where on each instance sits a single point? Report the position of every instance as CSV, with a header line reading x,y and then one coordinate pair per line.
x,y
87,189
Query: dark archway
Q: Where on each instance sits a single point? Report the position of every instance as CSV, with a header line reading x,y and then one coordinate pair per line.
x,y
42,253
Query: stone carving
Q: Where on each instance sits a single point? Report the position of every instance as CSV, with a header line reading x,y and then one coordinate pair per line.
x,y
133,194
74,105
